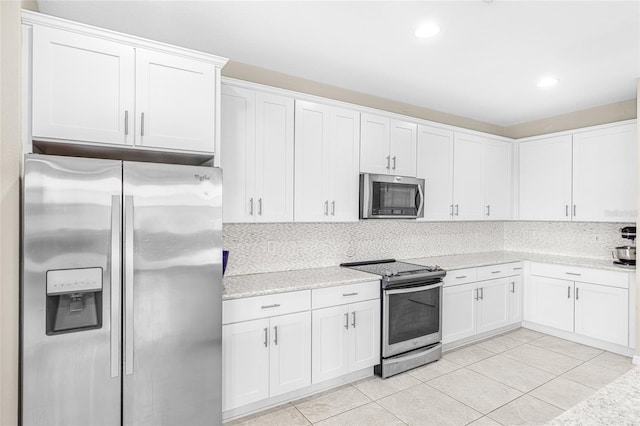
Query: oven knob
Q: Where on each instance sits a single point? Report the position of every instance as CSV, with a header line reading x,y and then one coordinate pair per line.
x,y
389,273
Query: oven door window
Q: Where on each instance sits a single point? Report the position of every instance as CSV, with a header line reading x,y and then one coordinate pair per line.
x,y
413,315
394,198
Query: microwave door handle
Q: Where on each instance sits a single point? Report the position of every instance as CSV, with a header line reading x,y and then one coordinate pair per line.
x,y
367,195
421,204
413,289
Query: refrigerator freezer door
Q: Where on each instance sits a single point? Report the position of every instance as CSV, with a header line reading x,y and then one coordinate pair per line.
x,y
172,294
70,340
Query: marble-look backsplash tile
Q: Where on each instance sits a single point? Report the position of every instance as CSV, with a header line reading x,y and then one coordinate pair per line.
x,y
584,239
256,248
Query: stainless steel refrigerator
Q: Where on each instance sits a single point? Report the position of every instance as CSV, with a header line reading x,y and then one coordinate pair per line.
x,y
121,293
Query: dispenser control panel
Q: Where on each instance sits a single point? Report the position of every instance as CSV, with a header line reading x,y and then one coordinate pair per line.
x,y
74,280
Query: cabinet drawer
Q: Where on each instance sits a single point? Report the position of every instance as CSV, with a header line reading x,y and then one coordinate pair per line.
x,y
498,271
250,308
460,276
586,275
340,295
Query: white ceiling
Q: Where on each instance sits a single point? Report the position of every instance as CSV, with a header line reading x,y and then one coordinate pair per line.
x,y
484,64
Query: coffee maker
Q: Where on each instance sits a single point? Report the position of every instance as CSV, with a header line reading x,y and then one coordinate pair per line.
x,y
626,255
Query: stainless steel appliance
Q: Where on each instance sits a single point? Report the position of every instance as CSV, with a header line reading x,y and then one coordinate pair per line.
x,y
391,197
626,255
411,313
121,293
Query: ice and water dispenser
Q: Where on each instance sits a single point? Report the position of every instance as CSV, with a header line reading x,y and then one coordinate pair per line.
x,y
74,300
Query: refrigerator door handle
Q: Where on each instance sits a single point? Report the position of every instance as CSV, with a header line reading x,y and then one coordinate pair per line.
x,y
115,285
128,284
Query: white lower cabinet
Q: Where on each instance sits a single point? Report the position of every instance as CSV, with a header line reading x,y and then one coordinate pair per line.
x,y
471,308
345,338
598,309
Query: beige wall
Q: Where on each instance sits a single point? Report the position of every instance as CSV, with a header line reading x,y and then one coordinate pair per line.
x,y
610,113
10,151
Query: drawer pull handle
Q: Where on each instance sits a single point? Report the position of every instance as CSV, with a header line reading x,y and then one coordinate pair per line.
x,y
461,277
517,269
573,273
349,294
495,272
275,305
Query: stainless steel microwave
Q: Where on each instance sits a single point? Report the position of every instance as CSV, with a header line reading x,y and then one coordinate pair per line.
x,y
391,197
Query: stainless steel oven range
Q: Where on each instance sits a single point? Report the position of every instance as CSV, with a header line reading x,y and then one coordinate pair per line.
x,y
411,306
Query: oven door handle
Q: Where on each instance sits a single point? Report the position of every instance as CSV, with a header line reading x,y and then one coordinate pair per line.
x,y
413,289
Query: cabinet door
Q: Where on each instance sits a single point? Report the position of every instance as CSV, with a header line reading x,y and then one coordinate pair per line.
x,y
551,302
312,159
497,180
290,356
545,179
329,346
237,159
602,312
344,167
458,312
364,330
605,175
245,363
175,102
274,158
374,144
468,153
83,88
403,148
493,307
435,166
515,299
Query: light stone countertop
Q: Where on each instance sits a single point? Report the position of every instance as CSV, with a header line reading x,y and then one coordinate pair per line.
x,y
618,403
239,286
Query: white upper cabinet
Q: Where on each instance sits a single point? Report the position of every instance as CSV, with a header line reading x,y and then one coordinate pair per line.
x,y
435,166
175,102
98,87
257,156
468,170
326,163
605,179
388,146
545,179
83,87
497,178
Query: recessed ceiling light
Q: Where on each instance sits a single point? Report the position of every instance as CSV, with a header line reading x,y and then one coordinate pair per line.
x,y
547,82
427,30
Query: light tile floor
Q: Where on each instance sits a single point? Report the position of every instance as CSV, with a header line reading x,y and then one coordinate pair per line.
x,y
521,377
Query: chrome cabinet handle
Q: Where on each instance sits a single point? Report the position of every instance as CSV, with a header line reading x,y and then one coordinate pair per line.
x,y
126,123
388,162
460,277
326,208
513,286
394,162
349,294
573,273
275,305
251,206
476,294
577,293
481,293
569,292
456,210
517,269
574,210
346,321
488,210
128,284
566,210
266,338
353,323
275,331
260,206
115,285
142,124
451,209
495,272
333,208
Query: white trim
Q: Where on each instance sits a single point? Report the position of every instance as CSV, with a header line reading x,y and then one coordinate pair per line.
x,y
34,18
478,337
577,130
